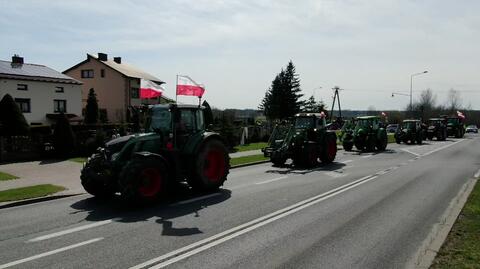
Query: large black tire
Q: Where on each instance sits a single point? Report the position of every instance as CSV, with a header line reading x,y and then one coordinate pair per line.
x,y
278,161
430,137
211,166
310,154
382,143
347,146
419,140
329,151
370,144
96,177
143,180
458,133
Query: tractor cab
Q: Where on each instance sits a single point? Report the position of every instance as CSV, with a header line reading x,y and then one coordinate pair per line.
x,y
309,121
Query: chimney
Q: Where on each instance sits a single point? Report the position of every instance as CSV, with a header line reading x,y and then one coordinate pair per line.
x,y
118,60
102,56
17,59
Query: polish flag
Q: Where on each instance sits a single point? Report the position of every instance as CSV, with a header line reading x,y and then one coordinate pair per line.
x,y
150,89
384,114
460,114
186,86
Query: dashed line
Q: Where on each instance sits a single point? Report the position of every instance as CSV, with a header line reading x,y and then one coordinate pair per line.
x,y
45,254
69,231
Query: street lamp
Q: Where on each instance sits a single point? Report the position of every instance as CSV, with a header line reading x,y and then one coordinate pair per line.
x,y
411,86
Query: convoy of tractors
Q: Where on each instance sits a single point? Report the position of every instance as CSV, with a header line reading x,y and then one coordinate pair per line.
x,y
177,146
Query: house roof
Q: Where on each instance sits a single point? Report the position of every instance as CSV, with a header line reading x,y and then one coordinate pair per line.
x,y
34,72
123,68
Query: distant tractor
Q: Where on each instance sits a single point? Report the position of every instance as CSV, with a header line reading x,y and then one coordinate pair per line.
x,y
437,128
455,126
368,135
175,147
410,132
305,140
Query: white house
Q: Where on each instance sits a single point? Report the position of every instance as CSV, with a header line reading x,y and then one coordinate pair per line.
x,y
41,92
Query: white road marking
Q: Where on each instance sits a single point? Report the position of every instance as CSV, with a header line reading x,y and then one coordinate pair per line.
x,y
347,161
444,147
214,240
196,199
382,172
38,256
367,156
69,231
411,152
477,174
270,180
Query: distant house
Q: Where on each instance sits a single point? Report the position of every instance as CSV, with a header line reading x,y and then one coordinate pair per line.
x,y
115,83
41,92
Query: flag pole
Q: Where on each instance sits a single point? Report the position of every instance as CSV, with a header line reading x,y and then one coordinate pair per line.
x,y
176,90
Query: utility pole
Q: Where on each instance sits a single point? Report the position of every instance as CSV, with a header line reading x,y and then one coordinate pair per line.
x,y
336,96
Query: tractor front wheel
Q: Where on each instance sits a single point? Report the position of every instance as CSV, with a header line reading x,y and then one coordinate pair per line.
x,y
96,177
143,180
347,146
211,166
330,150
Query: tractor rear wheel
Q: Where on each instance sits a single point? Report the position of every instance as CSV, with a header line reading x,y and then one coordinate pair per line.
x,y
96,178
370,144
330,151
143,180
347,146
382,143
211,166
310,155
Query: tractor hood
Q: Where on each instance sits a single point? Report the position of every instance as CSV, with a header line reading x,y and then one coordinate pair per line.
x,y
116,145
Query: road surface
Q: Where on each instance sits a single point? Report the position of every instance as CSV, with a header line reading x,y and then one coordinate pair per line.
x,y
363,211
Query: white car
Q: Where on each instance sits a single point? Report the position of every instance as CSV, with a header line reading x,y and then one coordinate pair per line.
x,y
471,129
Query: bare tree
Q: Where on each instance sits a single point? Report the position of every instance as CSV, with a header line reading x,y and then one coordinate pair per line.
x,y
454,101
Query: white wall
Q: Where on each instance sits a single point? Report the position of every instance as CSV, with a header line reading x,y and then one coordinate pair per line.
x,y
41,96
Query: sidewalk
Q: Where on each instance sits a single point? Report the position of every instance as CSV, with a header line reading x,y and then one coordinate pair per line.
x,y
62,173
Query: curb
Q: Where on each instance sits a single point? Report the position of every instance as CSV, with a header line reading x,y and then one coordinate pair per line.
x,y
431,245
36,200
249,164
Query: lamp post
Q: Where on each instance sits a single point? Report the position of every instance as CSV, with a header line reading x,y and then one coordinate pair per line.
x,y
411,86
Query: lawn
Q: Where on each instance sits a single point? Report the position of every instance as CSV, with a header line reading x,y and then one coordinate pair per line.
x,y
247,159
5,176
461,249
29,192
78,159
251,146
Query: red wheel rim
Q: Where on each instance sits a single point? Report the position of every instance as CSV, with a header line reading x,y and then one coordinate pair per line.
x,y
214,168
331,150
151,182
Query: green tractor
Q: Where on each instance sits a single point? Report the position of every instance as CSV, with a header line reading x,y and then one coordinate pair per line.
x,y
411,131
437,127
369,134
175,147
305,140
455,126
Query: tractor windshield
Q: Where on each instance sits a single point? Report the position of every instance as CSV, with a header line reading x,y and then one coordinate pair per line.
x,y
304,122
452,120
409,125
364,123
160,120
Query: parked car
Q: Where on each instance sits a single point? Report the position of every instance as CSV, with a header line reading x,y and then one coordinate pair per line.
x,y
392,128
471,129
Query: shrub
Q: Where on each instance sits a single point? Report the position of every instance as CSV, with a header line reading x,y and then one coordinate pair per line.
x,y
11,118
63,137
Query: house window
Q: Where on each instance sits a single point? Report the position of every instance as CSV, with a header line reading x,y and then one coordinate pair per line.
x,y
24,104
59,106
87,73
59,89
102,73
22,87
135,93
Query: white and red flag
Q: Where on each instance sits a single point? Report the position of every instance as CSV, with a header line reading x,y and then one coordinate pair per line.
x,y
460,114
186,86
384,114
150,89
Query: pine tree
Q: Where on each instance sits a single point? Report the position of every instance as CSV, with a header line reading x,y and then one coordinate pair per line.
x,y
91,110
312,106
282,100
11,118
63,137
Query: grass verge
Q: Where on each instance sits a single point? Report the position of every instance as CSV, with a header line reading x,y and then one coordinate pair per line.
x,y
461,249
78,159
247,159
251,146
29,192
5,176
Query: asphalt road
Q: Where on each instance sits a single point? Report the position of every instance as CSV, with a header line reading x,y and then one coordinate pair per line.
x,y
363,211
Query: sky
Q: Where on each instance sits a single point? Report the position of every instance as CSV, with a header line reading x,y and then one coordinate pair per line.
x,y
235,48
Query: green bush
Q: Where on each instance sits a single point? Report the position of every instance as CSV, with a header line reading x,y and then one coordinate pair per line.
x,y
63,137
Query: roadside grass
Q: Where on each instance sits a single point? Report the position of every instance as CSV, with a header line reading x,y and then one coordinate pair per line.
x,y
78,159
6,176
461,249
29,192
247,159
391,138
251,146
